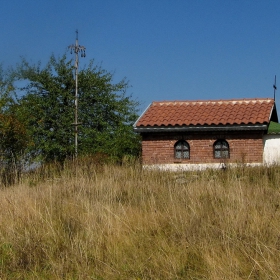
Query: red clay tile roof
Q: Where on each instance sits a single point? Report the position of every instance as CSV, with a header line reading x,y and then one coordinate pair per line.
x,y
209,112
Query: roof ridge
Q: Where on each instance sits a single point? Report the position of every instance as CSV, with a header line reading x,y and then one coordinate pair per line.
x,y
239,100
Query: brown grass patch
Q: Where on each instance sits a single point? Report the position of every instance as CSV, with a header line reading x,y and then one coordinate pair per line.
x,y
121,222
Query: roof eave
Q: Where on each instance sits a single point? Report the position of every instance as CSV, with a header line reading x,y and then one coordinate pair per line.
x,y
244,127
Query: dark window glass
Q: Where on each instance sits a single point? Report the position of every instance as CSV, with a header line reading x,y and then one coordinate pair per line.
x,y
182,150
221,149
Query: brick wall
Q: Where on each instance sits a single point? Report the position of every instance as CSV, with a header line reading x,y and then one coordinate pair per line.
x,y
244,147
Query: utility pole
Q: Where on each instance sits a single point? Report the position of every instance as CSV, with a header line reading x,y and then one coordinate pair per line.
x,y
77,49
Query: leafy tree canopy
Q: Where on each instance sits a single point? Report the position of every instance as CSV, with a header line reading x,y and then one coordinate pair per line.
x,y
105,111
7,90
13,133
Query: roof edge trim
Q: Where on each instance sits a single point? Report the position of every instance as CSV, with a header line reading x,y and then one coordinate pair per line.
x,y
134,125
271,111
201,128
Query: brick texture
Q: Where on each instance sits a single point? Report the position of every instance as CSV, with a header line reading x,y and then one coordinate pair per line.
x,y
246,147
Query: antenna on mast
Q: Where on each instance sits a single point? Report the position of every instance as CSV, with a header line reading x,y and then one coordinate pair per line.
x,y
274,86
76,48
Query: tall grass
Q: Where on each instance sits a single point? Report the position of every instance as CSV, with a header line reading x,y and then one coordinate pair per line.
x,y
90,221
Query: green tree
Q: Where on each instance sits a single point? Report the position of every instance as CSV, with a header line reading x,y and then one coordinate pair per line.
x,y
13,134
7,91
106,112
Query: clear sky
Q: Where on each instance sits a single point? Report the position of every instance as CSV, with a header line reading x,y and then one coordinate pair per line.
x,y
167,49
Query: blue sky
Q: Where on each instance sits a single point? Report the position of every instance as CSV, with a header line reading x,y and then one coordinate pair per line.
x,y
167,49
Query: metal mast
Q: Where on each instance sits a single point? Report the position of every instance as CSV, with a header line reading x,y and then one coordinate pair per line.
x,y
274,86
77,49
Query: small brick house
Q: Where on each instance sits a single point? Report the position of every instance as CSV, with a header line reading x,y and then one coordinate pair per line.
x,y
199,134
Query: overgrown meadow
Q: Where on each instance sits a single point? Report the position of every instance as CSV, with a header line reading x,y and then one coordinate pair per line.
x,y
85,220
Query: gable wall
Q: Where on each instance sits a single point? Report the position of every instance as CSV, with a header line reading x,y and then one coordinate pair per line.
x,y
271,152
158,148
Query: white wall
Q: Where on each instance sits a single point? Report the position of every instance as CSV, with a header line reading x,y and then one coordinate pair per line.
x,y
193,167
271,151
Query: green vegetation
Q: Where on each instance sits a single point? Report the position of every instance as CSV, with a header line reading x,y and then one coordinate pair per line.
x,y
85,220
106,113
13,133
37,113
274,128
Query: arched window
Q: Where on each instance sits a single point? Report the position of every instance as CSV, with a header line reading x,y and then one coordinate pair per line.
x,y
221,149
181,150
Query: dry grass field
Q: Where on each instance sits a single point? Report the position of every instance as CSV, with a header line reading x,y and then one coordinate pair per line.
x,y
89,221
